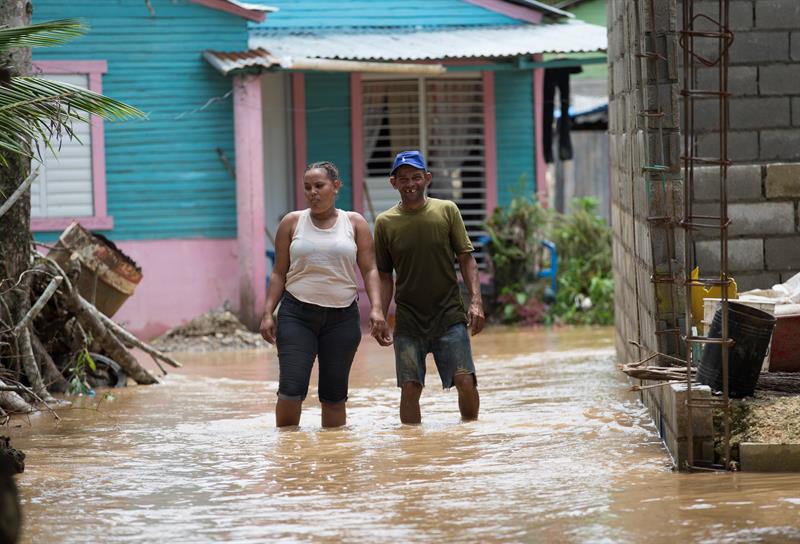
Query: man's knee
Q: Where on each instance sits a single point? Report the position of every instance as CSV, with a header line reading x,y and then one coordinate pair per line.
x,y
411,389
465,381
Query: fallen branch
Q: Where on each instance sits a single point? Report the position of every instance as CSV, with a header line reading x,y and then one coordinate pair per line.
x,y
87,316
30,367
52,287
18,192
12,402
131,341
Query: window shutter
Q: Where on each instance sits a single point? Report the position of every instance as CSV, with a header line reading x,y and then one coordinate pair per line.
x,y
455,148
442,117
64,185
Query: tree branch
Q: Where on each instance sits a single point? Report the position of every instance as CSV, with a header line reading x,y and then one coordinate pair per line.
x,y
38,305
18,192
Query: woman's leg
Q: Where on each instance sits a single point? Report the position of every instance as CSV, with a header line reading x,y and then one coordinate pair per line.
x,y
338,342
297,348
287,412
334,414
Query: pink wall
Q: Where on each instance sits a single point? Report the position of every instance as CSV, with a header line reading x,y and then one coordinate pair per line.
x,y
490,141
299,129
357,141
250,197
181,279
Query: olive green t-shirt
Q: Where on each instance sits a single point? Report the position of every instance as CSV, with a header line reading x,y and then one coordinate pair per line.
x,y
421,245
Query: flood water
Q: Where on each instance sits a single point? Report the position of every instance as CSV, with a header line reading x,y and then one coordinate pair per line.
x,y
562,453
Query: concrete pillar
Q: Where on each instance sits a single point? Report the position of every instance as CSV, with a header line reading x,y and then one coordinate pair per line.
x,y
251,244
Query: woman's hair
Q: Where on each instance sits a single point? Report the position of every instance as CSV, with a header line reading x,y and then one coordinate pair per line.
x,y
328,167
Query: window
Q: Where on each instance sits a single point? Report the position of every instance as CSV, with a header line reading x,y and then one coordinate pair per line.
x,y
442,117
72,181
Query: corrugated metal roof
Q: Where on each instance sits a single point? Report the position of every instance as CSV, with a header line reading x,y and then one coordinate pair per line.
x,y
228,62
429,44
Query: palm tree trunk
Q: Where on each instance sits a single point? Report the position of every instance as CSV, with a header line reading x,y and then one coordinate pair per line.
x,y
15,224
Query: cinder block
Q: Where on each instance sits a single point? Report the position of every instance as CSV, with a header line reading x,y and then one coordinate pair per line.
x,y
757,280
744,182
750,47
743,255
779,78
760,112
780,144
761,218
782,253
796,107
741,13
795,45
742,145
782,181
758,457
742,80
775,14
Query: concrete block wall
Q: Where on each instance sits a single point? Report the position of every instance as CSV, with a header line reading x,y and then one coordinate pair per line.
x,y
763,77
764,235
763,142
638,85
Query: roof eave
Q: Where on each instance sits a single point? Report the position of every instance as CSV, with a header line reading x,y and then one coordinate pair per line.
x,y
247,11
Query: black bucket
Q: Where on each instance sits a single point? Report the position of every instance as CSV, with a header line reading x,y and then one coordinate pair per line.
x,y
751,330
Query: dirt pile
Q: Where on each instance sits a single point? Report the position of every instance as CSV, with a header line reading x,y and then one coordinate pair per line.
x,y
217,330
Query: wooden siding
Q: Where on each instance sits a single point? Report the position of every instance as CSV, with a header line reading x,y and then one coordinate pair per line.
x,y
328,128
165,178
294,14
515,135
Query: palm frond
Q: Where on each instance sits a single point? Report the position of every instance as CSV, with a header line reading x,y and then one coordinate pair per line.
x,y
45,34
38,109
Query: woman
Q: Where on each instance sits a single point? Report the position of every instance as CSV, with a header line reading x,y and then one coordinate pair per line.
x,y
316,251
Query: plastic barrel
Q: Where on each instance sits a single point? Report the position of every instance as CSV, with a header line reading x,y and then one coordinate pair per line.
x,y
751,330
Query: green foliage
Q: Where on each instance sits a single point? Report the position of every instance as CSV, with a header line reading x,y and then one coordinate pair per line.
x,y
583,242
77,383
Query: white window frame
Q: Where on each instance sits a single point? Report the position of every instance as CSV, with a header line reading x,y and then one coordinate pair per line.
x,y
99,220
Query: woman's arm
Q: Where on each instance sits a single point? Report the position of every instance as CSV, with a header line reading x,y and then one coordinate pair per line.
x,y
277,280
365,258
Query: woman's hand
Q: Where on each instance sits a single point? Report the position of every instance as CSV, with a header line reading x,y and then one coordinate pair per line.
x,y
267,328
378,327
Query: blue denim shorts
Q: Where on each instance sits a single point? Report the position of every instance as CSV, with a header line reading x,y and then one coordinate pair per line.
x,y
307,331
451,353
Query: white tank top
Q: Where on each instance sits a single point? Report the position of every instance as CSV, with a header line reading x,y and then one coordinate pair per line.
x,y
322,262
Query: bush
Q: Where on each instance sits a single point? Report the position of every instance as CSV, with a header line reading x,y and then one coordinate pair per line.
x,y
583,242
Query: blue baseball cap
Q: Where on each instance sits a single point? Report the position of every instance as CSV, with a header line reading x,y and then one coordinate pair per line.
x,y
410,158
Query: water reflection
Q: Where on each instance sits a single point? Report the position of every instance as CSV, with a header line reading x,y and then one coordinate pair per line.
x,y
562,453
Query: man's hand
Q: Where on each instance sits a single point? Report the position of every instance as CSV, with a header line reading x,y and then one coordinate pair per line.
x,y
267,328
379,328
475,317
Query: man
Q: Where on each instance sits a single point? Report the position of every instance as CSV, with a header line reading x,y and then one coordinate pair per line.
x,y
419,238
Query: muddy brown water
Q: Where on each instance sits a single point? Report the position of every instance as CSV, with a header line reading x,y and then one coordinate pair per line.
x,y
562,453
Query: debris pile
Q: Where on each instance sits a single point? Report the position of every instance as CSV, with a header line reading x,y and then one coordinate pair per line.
x,y
217,330
53,339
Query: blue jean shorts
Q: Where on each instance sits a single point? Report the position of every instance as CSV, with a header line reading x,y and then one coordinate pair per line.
x,y
451,353
307,331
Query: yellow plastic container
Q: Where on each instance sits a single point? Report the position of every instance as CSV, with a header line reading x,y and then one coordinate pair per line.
x,y
700,293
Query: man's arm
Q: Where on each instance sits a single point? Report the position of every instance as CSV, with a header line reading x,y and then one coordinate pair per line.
x,y
387,290
469,273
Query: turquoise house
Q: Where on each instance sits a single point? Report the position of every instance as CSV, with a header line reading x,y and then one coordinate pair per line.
x,y
240,96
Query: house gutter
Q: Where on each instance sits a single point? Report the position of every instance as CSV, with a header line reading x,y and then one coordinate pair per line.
x,y
335,65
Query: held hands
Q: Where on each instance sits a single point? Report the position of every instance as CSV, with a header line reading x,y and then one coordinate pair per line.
x,y
379,329
267,328
475,317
